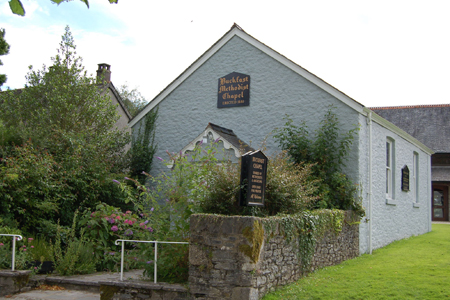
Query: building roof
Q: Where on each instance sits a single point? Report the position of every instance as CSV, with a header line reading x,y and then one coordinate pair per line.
x,y
440,173
236,30
430,124
231,137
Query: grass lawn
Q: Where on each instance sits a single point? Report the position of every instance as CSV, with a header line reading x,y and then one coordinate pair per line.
x,y
414,268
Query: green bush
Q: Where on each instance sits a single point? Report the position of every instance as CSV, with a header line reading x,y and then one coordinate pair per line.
x,y
327,151
107,224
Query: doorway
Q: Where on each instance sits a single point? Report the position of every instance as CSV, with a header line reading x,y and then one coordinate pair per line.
x,y
440,203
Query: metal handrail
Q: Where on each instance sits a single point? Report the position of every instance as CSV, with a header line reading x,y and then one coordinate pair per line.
x,y
19,238
156,253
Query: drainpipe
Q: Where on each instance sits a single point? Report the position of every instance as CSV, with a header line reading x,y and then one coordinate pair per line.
x,y
369,122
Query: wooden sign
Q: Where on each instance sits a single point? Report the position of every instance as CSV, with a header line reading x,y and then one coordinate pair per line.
x,y
253,178
234,90
405,179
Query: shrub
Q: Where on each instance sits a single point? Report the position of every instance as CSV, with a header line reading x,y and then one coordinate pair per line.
x,y
107,224
327,151
76,257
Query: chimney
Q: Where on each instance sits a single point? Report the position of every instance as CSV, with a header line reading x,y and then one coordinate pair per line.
x,y
103,74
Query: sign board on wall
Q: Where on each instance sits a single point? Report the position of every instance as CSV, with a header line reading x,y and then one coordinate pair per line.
x,y
234,90
253,178
405,179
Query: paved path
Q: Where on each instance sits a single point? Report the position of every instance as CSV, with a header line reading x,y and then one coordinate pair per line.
x,y
68,294
56,295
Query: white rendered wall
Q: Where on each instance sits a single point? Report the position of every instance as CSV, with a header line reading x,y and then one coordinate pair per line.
x,y
403,217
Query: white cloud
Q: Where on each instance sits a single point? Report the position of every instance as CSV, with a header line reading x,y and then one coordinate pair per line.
x,y
380,53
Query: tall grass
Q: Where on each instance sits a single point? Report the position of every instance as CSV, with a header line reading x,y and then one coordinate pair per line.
x,y
413,268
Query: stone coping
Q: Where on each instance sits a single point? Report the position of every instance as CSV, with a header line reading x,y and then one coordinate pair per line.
x,y
15,273
146,285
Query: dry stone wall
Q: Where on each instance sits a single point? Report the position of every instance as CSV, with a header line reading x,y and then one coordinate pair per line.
x,y
234,258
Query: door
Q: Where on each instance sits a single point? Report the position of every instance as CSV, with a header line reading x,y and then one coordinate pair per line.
x,y
440,203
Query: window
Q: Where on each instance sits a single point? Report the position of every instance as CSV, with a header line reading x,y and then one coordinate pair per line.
x,y
415,178
390,167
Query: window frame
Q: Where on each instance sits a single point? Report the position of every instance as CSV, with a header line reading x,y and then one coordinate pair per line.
x,y
390,171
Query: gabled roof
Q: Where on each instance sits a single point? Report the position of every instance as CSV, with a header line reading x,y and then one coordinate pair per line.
x,y
430,124
215,133
239,32
225,135
116,94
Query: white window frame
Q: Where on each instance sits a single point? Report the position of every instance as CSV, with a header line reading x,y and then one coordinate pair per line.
x,y
390,171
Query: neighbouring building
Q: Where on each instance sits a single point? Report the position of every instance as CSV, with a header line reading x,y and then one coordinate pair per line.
x,y
430,124
245,88
106,87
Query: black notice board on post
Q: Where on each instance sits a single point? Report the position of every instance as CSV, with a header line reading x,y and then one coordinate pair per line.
x,y
234,90
253,178
405,179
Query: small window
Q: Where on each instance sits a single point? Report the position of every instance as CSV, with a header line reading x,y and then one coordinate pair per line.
x,y
390,167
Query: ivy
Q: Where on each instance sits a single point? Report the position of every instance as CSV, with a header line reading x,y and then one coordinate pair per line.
x,y
306,228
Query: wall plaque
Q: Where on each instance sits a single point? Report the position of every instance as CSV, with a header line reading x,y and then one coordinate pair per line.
x,y
253,178
234,90
405,179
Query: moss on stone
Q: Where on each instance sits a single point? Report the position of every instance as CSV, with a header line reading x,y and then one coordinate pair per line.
x,y
255,236
21,281
107,291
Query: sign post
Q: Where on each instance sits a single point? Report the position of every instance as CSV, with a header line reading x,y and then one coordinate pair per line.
x,y
253,178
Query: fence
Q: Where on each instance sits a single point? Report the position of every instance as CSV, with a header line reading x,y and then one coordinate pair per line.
x,y
14,237
155,258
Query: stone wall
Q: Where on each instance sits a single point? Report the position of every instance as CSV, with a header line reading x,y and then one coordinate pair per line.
x,y
12,282
234,258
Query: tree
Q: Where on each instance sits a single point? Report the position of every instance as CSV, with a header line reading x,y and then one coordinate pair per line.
x,y
4,49
62,104
61,112
133,99
18,9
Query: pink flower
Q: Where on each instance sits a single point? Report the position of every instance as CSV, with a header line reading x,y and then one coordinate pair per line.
x,y
30,239
1,244
128,212
118,217
32,246
114,228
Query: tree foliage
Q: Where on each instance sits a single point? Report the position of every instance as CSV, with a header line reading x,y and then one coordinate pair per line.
x,y
133,99
328,151
4,49
61,116
18,9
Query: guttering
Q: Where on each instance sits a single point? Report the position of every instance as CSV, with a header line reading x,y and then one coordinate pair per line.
x,y
369,122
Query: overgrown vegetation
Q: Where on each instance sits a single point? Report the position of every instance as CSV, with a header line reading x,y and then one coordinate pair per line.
x,y
327,150
143,147
58,146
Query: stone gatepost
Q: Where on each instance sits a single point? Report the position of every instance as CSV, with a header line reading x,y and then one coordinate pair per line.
x,y
224,254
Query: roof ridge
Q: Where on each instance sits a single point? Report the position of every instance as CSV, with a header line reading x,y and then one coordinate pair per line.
x,y
409,106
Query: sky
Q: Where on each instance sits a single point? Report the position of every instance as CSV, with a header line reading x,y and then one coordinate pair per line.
x,y
380,53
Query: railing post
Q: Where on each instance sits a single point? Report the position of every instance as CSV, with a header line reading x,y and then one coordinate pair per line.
x,y
156,261
121,261
13,263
